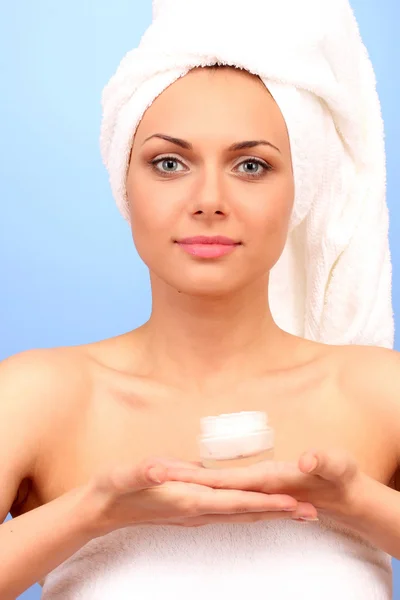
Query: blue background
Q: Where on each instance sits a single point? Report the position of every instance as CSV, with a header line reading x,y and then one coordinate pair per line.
x,y
69,273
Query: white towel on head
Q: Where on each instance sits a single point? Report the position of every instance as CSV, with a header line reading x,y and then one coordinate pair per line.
x,y
333,281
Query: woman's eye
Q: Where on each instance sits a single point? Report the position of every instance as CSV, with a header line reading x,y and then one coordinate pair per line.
x,y
167,165
254,168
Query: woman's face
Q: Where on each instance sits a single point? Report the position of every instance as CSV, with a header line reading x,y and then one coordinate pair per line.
x,y
220,177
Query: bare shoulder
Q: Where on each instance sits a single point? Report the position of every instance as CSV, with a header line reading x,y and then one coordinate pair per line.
x,y
52,384
370,369
370,377
47,387
41,373
34,387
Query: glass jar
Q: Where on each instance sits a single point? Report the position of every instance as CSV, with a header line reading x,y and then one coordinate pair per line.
x,y
235,439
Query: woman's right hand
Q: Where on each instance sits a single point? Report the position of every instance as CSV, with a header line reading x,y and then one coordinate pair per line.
x,y
126,495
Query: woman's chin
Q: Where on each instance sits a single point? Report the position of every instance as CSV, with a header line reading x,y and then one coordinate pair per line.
x,y
206,288
224,283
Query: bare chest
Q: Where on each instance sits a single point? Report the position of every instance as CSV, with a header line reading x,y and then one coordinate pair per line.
x,y
124,431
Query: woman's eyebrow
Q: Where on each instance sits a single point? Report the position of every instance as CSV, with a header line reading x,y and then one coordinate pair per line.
x,y
234,147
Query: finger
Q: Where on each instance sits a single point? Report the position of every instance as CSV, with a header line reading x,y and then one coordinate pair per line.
x,y
335,465
299,514
175,463
148,473
237,501
266,476
178,463
235,518
130,478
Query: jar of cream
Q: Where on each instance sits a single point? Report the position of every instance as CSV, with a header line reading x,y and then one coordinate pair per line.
x,y
235,439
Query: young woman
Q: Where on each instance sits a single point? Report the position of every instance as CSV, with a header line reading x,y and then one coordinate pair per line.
x,y
99,442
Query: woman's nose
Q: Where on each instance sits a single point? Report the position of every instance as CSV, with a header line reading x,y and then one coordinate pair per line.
x,y
210,199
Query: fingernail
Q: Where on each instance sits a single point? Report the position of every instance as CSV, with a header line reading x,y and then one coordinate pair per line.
x,y
306,519
155,474
312,464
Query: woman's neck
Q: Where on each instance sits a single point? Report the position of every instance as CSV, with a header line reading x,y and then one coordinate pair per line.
x,y
200,342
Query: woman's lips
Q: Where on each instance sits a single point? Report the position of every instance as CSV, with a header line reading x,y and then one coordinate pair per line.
x,y
207,246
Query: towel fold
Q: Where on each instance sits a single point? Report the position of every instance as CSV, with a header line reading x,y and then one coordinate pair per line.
x,y
335,272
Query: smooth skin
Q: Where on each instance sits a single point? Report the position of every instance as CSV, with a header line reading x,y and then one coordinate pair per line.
x,y
90,435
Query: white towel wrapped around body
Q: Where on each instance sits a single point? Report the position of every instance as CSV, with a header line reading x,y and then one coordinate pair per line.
x,y
335,272
275,560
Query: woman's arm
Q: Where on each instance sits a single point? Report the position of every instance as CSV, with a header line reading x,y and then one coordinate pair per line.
x,y
35,543
32,544
377,516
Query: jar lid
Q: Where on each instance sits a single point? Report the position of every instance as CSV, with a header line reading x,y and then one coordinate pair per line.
x,y
233,424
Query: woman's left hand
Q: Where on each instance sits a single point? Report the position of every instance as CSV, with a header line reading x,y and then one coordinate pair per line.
x,y
329,480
